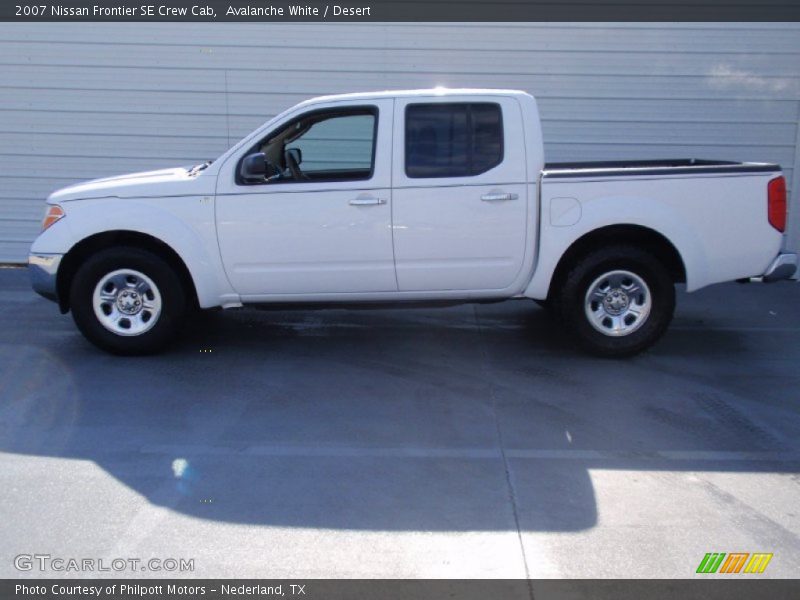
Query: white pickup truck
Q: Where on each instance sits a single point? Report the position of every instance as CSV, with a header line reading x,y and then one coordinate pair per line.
x,y
407,197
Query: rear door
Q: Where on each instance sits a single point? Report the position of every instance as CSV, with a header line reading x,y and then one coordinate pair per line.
x,y
459,193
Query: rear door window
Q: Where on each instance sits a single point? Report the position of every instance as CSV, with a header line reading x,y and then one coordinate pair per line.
x,y
460,139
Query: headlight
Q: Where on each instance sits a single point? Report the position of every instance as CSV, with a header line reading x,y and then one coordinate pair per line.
x,y
53,214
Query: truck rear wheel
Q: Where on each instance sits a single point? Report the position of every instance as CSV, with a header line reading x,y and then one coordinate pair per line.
x,y
617,301
127,301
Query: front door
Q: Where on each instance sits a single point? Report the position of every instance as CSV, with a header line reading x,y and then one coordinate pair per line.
x,y
319,221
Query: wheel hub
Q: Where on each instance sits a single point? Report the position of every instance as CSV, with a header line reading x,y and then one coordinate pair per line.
x,y
129,302
616,301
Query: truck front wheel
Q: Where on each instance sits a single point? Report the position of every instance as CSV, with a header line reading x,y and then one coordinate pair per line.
x,y
127,301
617,301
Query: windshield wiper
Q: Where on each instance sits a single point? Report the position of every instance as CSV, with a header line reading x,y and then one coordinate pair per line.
x,y
197,168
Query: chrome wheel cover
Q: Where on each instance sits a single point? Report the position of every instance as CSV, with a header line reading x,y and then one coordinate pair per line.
x,y
618,303
126,302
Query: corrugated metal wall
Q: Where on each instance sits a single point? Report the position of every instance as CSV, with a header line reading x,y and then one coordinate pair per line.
x,y
88,100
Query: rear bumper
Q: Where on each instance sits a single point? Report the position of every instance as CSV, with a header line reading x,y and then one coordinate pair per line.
x,y
783,267
43,269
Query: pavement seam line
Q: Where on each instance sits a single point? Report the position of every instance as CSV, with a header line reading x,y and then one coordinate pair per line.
x,y
512,494
460,452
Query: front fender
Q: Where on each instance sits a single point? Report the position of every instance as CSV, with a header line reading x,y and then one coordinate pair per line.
x,y
186,224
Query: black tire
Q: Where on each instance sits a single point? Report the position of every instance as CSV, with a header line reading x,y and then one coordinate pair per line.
x,y
549,305
173,300
572,301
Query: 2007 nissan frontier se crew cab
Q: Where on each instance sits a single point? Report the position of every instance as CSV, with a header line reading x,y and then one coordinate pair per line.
x,y
414,196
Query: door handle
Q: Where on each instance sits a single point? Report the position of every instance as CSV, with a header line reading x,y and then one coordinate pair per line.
x,y
367,201
496,197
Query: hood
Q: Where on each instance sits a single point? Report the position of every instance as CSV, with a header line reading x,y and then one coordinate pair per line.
x,y
147,184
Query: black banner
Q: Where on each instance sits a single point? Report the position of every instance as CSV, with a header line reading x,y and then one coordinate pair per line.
x,y
712,588
399,10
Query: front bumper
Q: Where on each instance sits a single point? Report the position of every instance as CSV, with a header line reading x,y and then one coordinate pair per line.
x,y
43,269
783,267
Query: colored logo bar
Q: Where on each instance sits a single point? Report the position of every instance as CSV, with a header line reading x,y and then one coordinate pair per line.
x,y
736,562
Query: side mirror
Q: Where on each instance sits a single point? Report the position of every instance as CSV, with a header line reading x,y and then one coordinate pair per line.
x,y
254,167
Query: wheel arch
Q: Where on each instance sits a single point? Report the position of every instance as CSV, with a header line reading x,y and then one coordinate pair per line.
x,y
640,236
76,255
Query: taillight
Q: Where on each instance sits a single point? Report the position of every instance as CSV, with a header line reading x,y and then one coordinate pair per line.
x,y
776,203
53,214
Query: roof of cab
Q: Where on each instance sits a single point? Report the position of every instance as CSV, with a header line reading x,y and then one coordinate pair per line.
x,y
437,91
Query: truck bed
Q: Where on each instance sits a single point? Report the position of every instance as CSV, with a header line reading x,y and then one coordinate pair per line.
x,y
677,166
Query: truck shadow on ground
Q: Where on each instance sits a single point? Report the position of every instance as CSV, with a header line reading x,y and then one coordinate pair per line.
x,y
388,420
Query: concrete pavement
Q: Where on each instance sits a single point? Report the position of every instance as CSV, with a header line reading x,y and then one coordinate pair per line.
x,y
460,442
